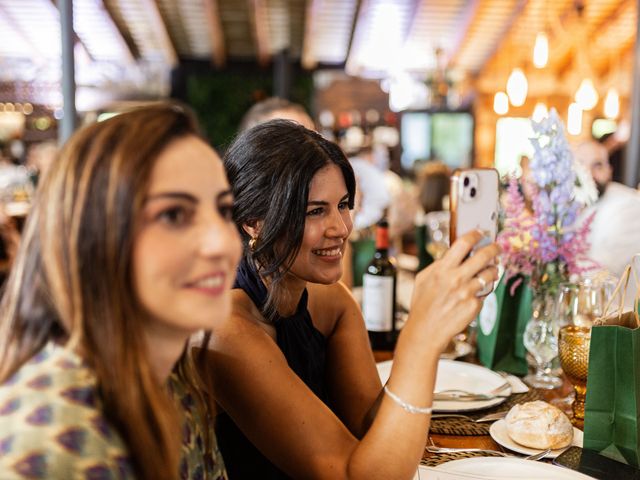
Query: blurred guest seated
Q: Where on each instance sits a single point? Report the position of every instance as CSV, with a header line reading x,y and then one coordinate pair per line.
x,y
615,231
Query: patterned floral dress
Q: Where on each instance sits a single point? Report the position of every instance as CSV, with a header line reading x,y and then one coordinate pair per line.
x,y
52,426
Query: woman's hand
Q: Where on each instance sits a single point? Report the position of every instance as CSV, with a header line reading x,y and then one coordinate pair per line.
x,y
445,297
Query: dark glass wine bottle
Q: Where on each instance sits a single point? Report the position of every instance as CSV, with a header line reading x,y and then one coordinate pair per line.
x,y
379,293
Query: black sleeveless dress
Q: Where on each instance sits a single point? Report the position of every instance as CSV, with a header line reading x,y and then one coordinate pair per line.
x,y
304,347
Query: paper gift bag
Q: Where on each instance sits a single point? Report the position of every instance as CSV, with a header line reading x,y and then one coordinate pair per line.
x,y
612,409
501,324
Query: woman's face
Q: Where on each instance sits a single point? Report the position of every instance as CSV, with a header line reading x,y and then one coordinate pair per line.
x,y
186,247
328,224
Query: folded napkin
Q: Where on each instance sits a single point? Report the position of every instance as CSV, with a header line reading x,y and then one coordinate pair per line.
x,y
517,385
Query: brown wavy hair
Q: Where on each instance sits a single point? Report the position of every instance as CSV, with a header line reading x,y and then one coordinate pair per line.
x,y
72,281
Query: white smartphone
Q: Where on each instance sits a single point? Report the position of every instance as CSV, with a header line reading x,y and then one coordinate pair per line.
x,y
474,206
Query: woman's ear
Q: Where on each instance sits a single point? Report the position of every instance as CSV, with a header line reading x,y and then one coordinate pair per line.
x,y
253,228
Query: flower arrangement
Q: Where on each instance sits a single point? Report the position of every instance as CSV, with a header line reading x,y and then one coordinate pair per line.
x,y
549,244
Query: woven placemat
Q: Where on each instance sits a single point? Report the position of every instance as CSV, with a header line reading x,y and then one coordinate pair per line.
x,y
462,426
433,460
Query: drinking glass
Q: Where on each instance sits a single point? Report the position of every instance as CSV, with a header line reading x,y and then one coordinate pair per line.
x,y
541,341
574,342
577,306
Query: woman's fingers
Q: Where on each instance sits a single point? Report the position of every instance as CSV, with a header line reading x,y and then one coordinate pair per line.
x,y
461,248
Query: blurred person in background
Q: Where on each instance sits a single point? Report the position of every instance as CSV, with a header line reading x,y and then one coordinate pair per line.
x,y
129,249
293,368
615,231
432,220
272,108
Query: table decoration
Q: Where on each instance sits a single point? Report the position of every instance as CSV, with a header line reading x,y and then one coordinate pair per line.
x,y
544,243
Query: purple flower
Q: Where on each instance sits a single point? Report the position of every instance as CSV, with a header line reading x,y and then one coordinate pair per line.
x,y
547,247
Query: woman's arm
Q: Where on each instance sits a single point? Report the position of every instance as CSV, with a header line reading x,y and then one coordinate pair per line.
x,y
352,379
297,432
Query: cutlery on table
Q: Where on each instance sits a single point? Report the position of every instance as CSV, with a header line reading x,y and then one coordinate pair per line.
x,y
487,418
464,395
434,449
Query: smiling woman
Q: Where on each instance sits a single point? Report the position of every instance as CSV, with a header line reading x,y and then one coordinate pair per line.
x,y
129,249
292,367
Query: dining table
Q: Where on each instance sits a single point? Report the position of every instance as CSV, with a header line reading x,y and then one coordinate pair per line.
x,y
484,442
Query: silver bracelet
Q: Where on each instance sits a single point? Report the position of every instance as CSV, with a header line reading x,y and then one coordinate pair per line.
x,y
407,406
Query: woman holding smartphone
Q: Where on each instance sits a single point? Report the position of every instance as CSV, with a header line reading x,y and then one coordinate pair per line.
x,y
129,249
292,367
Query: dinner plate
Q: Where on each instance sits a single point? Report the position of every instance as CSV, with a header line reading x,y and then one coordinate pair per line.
x,y
462,376
498,468
498,432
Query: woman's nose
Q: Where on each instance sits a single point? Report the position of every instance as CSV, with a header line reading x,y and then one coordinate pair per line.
x,y
339,226
220,238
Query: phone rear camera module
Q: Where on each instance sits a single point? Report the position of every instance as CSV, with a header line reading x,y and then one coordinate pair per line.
x,y
466,181
472,192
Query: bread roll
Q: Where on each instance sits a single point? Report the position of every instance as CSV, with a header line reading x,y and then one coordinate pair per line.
x,y
539,425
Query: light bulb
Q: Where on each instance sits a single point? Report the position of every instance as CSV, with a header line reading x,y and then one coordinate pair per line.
x,y
541,51
574,120
612,104
500,103
540,112
586,96
517,87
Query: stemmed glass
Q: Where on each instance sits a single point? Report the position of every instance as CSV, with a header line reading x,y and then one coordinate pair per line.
x,y
541,341
577,306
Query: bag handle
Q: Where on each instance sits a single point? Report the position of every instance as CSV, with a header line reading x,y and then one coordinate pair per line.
x,y
624,280
636,301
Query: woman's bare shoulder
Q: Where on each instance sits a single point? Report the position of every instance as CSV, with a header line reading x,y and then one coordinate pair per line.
x,y
245,320
330,304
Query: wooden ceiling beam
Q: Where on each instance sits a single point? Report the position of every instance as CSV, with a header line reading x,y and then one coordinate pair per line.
x,y
76,38
502,40
259,16
308,60
159,26
216,33
130,45
564,54
467,18
20,33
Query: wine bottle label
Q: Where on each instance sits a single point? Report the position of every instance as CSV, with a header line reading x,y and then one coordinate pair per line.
x,y
377,302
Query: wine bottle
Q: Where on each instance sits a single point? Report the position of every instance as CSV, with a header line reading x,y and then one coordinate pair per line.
x,y
379,293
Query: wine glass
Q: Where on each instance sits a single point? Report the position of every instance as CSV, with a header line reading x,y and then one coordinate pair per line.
x,y
577,306
541,341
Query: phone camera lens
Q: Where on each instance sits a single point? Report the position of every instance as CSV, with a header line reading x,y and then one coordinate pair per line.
x,y
465,182
472,192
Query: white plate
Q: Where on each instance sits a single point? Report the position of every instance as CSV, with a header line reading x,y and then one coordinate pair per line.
x,y
462,376
498,432
499,468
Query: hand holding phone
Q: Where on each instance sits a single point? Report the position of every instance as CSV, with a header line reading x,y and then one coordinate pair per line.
x,y
474,206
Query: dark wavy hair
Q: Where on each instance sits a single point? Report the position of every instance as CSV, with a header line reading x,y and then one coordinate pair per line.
x,y
270,168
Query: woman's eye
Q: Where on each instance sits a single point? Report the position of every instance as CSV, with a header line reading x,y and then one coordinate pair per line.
x,y
226,211
314,212
343,206
174,216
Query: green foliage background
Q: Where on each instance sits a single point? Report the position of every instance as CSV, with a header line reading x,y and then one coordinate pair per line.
x,y
221,98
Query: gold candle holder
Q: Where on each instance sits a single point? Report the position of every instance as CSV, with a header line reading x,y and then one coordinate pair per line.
x,y
573,348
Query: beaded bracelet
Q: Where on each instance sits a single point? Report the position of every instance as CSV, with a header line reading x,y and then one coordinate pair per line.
x,y
407,406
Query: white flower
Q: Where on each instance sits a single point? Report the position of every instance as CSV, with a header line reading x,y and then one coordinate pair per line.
x,y
584,190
